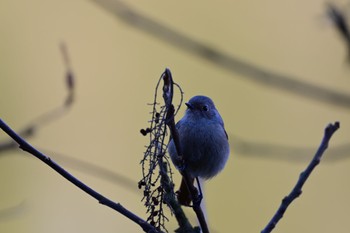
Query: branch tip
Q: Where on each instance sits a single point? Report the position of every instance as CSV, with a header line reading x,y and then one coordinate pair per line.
x,y
297,190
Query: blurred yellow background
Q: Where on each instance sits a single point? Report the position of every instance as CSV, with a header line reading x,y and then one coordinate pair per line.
x,y
117,65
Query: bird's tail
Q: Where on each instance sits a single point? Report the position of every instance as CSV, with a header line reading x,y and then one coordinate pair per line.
x,y
183,194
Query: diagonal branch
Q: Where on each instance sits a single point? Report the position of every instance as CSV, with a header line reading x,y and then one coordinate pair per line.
x,y
295,193
232,64
101,199
340,22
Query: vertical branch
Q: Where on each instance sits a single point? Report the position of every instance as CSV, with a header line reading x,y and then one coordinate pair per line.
x,y
170,199
168,96
70,82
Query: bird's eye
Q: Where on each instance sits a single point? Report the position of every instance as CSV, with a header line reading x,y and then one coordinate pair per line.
x,y
205,108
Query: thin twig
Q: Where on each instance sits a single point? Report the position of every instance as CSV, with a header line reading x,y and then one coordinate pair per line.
x,y
14,211
101,199
70,80
340,22
297,190
168,96
285,153
53,114
94,170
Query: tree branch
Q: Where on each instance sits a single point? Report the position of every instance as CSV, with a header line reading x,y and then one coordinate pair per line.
x,y
340,23
248,71
49,116
168,96
101,199
295,193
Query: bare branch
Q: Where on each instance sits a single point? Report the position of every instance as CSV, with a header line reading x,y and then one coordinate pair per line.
x,y
168,95
13,211
101,199
51,115
340,23
94,170
259,75
297,190
283,152
70,80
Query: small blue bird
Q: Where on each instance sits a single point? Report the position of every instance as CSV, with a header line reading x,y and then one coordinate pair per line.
x,y
204,143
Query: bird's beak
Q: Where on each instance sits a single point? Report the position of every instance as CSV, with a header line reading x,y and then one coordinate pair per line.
x,y
189,106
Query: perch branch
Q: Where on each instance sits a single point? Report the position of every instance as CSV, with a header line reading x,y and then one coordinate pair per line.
x,y
168,96
101,199
297,190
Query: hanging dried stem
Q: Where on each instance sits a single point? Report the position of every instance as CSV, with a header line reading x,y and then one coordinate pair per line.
x,y
157,182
